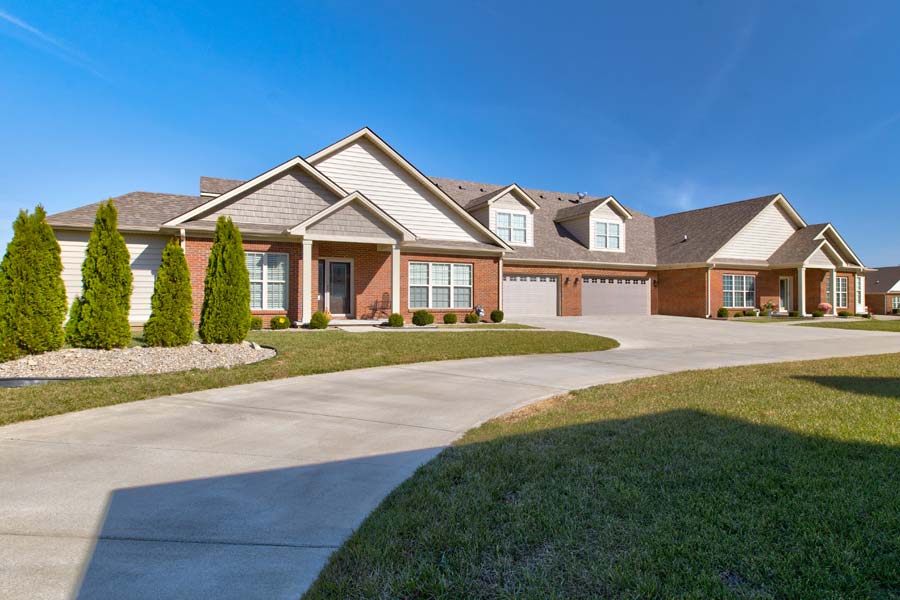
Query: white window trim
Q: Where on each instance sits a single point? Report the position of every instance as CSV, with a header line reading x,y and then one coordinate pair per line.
x,y
743,291
895,302
429,285
511,212
859,288
593,233
264,297
845,293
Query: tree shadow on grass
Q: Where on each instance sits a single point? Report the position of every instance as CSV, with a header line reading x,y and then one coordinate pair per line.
x,y
888,387
677,504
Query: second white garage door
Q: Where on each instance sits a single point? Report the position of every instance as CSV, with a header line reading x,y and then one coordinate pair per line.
x,y
530,295
615,296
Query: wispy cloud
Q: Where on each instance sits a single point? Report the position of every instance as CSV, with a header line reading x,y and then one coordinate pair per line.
x,y
40,39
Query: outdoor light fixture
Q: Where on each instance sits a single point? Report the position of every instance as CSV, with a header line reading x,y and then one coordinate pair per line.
x,y
567,281
576,281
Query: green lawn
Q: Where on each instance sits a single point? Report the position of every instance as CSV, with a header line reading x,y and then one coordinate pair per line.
x,y
299,353
771,481
768,319
866,325
487,326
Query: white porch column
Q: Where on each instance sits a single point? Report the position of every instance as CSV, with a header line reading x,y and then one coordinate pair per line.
x,y
395,278
499,284
306,282
801,291
834,292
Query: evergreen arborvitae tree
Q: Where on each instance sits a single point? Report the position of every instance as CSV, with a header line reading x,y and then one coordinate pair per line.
x,y
170,319
225,318
99,317
33,297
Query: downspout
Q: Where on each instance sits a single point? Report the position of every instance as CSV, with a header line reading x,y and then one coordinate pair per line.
x,y
183,238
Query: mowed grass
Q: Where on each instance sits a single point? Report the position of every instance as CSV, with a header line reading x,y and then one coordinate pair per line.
x,y
771,481
299,353
865,325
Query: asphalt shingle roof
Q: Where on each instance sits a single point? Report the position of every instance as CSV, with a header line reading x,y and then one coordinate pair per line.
x,y
137,210
552,241
707,230
882,280
799,246
215,185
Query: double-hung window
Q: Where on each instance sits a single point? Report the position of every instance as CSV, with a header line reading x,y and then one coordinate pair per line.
x,y
739,291
511,227
895,302
268,280
440,285
607,236
840,298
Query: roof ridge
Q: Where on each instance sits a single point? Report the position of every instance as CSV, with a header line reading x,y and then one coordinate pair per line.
x,y
696,210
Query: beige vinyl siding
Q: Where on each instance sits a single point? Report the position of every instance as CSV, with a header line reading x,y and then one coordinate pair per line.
x,y
581,229
146,254
362,167
287,200
350,220
819,259
760,237
483,216
508,203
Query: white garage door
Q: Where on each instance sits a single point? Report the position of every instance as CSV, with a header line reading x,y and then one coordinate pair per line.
x,y
530,295
615,296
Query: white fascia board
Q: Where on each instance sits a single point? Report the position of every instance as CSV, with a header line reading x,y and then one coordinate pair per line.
x,y
829,250
407,166
513,188
841,241
259,179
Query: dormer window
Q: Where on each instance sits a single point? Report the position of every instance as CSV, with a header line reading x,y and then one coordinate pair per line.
x,y
512,227
607,236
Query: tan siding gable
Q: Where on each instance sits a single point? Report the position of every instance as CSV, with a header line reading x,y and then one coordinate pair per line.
x,y
287,200
363,167
350,220
580,229
760,237
146,254
509,201
820,259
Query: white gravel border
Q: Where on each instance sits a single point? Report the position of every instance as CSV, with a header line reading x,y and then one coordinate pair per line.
x,y
81,362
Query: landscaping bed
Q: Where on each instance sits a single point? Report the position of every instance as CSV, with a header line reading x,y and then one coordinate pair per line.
x,y
751,482
135,360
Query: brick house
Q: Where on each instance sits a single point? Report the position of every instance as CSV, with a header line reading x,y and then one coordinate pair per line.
x,y
358,230
883,290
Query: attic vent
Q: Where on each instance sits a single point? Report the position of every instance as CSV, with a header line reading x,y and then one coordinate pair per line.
x,y
460,187
559,198
542,196
480,189
684,239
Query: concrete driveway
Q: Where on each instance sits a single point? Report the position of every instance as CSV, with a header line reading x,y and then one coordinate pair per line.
x,y
244,492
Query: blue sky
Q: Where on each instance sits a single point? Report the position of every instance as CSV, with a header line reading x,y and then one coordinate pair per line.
x,y
667,106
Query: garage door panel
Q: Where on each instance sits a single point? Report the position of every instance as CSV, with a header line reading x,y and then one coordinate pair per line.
x,y
534,295
615,296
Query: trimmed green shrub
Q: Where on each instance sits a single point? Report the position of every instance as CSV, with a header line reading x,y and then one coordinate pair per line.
x,y
256,323
896,311
845,313
422,318
99,317
319,320
170,322
497,315
722,313
32,294
818,314
279,322
450,319
749,313
395,320
225,318
472,318
794,313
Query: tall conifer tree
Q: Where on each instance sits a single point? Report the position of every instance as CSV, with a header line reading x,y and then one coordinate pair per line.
x,y
225,318
170,320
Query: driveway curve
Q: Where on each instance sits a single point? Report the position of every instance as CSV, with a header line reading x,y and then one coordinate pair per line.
x,y
244,492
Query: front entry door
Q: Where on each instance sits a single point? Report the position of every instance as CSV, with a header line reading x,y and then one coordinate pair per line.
x,y
784,294
336,287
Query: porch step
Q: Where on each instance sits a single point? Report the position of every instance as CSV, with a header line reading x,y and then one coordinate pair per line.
x,y
341,323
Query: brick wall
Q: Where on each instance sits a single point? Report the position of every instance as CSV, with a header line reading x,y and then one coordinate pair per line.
x,y
570,292
485,284
767,287
816,289
682,293
197,251
881,304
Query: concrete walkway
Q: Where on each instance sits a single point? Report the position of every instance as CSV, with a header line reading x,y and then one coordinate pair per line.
x,y
244,492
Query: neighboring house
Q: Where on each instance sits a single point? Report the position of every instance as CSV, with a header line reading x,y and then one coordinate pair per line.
x,y
883,290
356,229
